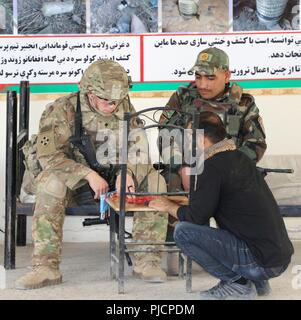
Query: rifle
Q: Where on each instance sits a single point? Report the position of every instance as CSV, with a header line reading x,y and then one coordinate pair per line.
x,y
84,144
265,171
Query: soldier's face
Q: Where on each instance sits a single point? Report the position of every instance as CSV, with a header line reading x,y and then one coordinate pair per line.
x,y
105,106
211,86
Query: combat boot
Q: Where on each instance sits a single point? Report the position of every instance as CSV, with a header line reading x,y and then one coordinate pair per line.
x,y
149,271
40,276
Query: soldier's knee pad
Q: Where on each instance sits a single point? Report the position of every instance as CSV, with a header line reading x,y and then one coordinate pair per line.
x,y
52,185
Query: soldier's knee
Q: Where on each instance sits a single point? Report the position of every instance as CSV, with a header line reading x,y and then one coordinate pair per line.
x,y
50,184
156,182
173,181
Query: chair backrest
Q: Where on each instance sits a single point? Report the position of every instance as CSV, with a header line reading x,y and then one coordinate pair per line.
x,y
140,145
152,133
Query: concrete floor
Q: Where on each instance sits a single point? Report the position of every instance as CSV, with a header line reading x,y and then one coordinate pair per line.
x,y
85,269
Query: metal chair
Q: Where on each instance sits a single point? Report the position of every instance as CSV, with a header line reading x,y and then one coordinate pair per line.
x,y
120,247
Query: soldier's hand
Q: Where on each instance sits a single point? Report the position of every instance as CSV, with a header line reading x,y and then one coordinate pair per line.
x,y
98,184
130,185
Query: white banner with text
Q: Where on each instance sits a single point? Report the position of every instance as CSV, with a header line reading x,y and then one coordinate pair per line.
x,y
148,58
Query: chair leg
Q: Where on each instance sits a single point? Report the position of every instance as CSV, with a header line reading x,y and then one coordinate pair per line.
x,y
121,253
112,245
121,268
188,275
181,265
21,230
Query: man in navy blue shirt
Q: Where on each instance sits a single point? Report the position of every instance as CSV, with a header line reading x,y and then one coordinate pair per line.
x,y
251,244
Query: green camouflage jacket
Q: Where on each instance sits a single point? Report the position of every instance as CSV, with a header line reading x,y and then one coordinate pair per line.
x,y
55,152
244,123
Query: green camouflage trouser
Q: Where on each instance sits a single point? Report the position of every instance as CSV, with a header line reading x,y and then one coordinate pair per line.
x,y
47,226
150,226
48,219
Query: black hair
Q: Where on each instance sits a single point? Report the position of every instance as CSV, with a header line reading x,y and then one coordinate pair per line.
x,y
214,128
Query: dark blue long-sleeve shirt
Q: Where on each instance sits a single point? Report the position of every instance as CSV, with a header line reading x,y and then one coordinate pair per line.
x,y
231,190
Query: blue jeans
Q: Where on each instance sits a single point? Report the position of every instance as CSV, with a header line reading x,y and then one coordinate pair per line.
x,y
221,253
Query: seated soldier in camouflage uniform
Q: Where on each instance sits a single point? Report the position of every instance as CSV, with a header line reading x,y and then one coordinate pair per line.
x,y
104,99
211,91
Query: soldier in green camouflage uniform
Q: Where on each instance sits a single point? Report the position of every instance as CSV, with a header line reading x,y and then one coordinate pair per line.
x,y
104,99
211,91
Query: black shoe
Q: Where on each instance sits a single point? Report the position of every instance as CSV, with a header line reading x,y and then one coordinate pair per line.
x,y
263,287
230,291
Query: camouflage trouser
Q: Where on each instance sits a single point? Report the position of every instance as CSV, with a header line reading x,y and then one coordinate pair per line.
x,y
150,226
48,219
47,226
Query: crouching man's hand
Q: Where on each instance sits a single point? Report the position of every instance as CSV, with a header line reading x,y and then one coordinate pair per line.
x,y
164,205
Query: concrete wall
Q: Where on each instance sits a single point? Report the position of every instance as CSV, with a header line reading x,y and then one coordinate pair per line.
x,y
281,115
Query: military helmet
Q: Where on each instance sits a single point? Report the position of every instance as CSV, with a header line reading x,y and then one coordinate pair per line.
x,y
106,79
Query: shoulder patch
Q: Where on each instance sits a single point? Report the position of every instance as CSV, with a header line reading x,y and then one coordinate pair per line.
x,y
45,143
168,113
166,116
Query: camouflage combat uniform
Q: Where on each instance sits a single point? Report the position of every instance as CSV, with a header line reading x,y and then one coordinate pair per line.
x,y
64,167
237,110
244,123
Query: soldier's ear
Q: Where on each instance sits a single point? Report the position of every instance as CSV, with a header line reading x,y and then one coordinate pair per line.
x,y
227,76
